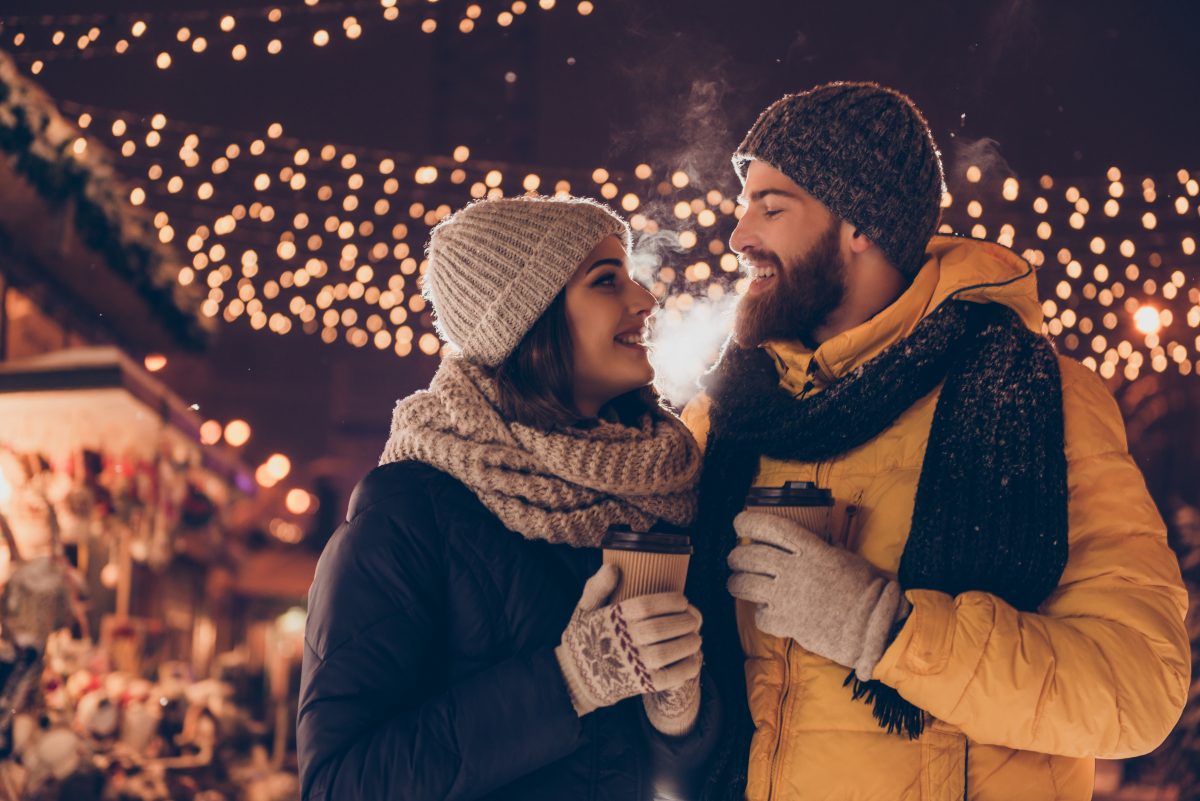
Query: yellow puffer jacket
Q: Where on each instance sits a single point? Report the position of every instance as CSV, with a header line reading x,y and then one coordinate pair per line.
x,y
1021,703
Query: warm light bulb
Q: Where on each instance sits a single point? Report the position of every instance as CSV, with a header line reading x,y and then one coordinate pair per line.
x,y
237,433
278,466
298,501
1147,320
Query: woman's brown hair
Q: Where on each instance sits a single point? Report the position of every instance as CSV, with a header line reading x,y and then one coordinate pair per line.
x,y
535,381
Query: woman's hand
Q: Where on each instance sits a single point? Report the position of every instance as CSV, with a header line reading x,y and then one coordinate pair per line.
x,y
674,712
647,644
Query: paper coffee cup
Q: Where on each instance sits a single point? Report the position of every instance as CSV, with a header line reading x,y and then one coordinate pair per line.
x,y
650,561
800,501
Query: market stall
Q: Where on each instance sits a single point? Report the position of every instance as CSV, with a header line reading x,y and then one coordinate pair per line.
x,y
120,679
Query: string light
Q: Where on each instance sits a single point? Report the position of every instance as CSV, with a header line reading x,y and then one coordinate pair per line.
x,y
289,235
38,39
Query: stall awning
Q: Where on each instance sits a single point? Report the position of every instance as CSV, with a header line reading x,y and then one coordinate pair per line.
x,y
101,399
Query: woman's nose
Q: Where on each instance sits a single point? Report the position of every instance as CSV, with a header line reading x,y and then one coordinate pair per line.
x,y
644,301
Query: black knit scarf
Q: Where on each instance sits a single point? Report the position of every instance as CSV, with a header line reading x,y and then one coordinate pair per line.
x,y
991,502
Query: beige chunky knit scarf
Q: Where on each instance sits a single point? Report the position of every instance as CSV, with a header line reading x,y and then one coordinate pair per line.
x,y
565,486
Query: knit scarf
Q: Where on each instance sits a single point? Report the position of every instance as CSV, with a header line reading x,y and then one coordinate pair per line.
x,y
991,502
567,485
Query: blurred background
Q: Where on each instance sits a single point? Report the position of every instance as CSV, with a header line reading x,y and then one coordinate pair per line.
x,y
212,225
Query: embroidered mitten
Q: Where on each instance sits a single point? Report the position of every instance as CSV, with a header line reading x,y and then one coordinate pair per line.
x,y
642,645
674,712
831,602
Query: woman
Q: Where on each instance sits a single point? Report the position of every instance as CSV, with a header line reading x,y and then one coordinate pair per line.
x,y
456,647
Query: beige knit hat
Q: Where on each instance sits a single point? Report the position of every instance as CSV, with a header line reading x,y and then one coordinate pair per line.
x,y
496,265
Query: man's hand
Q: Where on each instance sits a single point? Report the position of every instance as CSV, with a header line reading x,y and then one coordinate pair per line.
x,y
830,601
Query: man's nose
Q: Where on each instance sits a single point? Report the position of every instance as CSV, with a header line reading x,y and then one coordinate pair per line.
x,y
743,236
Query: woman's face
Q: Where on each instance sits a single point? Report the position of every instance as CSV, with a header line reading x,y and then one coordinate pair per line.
x,y
607,312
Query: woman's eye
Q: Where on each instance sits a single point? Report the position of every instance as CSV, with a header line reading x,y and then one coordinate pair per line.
x,y
772,212
605,280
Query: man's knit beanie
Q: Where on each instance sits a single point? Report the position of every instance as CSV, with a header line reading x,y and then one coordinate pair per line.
x,y
496,265
864,151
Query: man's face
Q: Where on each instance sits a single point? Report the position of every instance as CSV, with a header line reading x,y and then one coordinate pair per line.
x,y
790,245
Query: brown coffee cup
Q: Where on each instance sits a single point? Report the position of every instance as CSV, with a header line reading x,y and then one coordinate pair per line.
x,y
650,561
800,501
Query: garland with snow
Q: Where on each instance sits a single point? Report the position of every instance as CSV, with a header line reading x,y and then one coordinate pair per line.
x,y
39,140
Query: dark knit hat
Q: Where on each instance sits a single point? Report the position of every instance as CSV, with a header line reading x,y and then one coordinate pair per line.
x,y
864,151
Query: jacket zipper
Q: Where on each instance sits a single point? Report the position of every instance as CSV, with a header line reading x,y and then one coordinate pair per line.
x,y
966,766
851,511
827,534
787,652
779,726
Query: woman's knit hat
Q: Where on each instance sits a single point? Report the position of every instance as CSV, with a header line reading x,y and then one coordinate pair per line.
x,y
864,151
496,265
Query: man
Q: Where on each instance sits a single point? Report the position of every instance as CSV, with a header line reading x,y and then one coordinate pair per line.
x,y
992,604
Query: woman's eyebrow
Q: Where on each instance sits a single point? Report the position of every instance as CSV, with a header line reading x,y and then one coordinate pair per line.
x,y
603,262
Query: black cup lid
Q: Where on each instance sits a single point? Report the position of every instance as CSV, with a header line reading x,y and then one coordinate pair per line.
x,y
661,538
792,493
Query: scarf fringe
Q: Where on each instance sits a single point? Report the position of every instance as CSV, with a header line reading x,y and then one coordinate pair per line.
x,y
891,711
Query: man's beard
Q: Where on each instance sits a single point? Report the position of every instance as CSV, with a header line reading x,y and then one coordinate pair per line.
x,y
806,292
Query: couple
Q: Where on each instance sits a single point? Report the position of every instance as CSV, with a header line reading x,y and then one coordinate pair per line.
x,y
993,606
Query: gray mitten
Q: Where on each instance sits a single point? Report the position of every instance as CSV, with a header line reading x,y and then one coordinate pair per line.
x,y
643,645
831,602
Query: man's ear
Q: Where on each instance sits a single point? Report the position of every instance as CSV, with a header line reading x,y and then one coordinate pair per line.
x,y
857,241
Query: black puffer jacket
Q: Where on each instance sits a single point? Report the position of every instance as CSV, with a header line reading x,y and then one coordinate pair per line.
x,y
429,669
